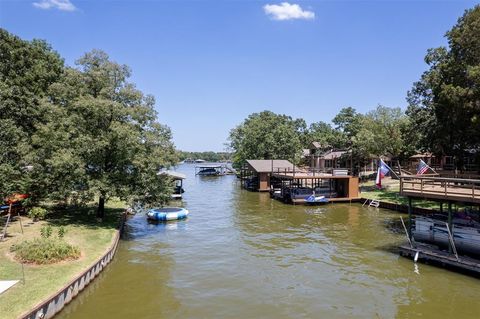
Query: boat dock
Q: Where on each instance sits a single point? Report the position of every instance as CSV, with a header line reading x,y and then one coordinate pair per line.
x,y
432,254
291,184
214,169
447,191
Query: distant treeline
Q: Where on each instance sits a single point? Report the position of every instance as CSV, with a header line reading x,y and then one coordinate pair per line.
x,y
207,156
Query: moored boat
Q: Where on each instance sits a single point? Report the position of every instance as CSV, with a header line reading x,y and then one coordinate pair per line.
x,y
466,233
312,199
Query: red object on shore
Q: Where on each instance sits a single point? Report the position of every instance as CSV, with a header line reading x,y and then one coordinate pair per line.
x,y
15,198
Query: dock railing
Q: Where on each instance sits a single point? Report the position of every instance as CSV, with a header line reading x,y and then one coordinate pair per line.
x,y
457,189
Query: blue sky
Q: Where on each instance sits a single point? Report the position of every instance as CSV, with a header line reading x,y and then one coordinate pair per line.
x,y
211,63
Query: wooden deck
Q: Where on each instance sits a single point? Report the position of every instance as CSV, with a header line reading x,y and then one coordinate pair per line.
x,y
429,253
442,189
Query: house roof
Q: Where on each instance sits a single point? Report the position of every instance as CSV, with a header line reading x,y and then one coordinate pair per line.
x,y
265,166
333,154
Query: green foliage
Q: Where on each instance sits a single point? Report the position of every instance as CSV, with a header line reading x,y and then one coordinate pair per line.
x,y
44,251
27,69
383,132
444,105
61,232
106,140
75,133
46,231
327,136
37,213
267,135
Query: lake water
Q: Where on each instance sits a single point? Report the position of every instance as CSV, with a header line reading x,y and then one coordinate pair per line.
x,y
243,255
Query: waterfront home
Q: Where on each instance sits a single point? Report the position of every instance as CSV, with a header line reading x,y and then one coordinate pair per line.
x,y
323,158
444,162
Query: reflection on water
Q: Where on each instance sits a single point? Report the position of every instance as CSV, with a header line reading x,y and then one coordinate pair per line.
x,y
242,255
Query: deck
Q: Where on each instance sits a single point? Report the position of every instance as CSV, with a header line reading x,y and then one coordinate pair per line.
x,y
430,253
440,188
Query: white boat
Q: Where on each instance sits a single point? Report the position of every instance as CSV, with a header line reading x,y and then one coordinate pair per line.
x,y
466,233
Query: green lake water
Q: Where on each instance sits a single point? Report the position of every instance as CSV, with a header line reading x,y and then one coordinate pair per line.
x,y
243,255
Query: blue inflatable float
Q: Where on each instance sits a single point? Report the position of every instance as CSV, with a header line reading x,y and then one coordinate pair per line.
x,y
167,213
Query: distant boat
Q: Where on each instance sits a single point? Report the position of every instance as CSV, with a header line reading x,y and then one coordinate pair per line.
x,y
199,160
210,171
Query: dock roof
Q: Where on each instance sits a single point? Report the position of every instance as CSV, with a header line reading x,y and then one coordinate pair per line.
x,y
265,166
173,174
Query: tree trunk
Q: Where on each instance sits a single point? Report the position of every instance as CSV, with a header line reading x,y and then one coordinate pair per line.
x,y
101,207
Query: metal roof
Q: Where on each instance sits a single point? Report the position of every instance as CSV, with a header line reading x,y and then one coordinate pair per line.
x,y
265,166
333,154
173,174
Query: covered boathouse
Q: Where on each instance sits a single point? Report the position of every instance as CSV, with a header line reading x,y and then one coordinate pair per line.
x,y
291,184
296,186
256,174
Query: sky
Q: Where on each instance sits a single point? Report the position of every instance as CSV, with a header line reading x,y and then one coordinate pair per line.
x,y
210,64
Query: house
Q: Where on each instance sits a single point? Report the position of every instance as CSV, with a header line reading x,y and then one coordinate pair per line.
x,y
444,162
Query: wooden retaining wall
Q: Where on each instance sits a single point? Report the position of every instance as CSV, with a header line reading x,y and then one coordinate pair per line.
x,y
52,305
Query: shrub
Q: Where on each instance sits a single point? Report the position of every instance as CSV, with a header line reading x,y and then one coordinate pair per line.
x,y
44,251
37,213
46,231
61,232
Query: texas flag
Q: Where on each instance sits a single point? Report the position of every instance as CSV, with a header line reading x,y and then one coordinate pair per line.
x,y
383,170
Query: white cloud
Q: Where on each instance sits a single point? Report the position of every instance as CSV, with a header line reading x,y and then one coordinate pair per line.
x,y
287,11
63,5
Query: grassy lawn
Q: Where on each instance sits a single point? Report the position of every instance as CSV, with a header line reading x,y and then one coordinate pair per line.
x,y
83,230
391,194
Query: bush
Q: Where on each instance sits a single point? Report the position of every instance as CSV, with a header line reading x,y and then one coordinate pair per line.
x,y
37,213
44,251
46,231
61,232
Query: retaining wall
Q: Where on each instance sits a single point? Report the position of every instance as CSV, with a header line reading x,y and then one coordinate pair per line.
x,y
400,208
52,305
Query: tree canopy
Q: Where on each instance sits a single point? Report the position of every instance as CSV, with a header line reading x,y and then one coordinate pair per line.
x,y
267,135
87,131
444,104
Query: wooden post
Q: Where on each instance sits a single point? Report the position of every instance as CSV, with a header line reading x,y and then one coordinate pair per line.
x,y
441,207
450,225
410,218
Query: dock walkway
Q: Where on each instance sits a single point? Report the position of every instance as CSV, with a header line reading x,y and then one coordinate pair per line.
x,y
430,253
440,188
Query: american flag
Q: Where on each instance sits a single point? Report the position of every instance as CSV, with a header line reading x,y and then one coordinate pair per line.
x,y
422,167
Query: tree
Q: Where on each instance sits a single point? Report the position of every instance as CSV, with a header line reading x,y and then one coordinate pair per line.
x,y
267,135
348,121
102,138
27,69
444,105
387,130
326,135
